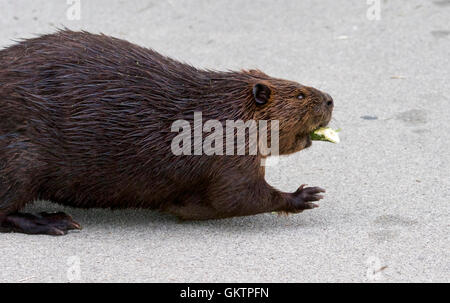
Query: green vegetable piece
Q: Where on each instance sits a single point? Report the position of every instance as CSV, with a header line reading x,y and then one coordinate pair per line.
x,y
326,134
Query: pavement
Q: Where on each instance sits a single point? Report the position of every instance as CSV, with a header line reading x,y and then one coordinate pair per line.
x,y
385,216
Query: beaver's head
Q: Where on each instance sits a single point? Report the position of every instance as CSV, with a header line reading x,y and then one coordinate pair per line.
x,y
299,109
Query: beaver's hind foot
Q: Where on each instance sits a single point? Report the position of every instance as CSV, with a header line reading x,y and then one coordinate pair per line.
x,y
55,224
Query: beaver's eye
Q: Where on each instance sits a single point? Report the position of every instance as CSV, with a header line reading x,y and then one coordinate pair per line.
x,y
300,96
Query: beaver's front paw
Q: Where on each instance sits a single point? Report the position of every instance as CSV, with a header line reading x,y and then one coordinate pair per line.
x,y
303,197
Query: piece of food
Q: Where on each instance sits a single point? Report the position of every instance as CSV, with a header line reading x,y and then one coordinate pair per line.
x,y
326,134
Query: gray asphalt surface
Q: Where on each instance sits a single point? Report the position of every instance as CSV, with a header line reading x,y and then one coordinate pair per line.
x,y
386,212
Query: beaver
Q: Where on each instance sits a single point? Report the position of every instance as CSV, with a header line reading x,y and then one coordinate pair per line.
x,y
86,119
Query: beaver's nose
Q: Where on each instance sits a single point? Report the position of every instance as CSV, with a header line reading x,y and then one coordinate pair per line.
x,y
328,100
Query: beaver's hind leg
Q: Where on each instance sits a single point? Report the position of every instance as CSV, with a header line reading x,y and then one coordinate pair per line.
x,y
20,171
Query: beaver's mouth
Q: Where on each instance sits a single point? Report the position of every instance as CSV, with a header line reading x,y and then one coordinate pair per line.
x,y
304,134
323,123
317,126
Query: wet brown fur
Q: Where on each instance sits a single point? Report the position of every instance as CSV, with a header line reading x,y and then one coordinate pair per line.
x,y
85,121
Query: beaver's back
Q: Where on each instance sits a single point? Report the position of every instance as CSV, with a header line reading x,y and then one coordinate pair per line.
x,y
98,112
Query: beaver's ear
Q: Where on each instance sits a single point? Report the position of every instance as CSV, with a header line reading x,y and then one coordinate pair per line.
x,y
261,93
